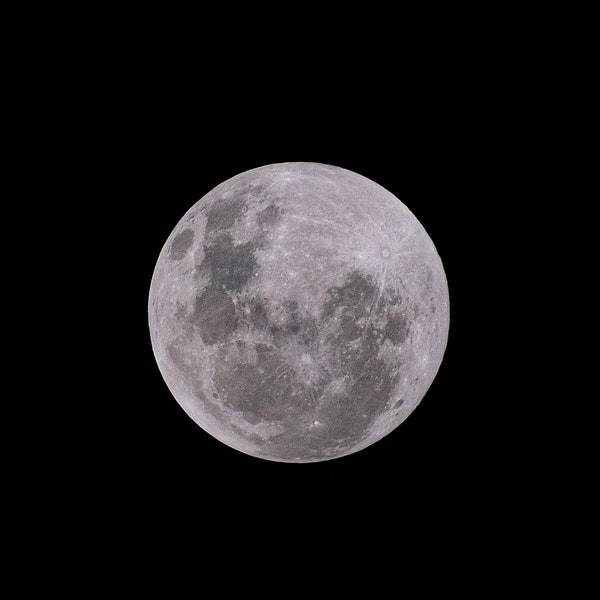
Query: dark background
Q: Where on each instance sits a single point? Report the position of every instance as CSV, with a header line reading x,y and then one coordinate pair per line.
x,y
125,121
118,121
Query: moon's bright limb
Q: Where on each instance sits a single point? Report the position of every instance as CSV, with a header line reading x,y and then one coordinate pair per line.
x,y
299,312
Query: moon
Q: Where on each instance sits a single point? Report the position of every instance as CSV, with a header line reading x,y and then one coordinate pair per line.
x,y
298,312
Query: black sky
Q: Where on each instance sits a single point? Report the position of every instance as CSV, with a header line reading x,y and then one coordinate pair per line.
x,y
124,122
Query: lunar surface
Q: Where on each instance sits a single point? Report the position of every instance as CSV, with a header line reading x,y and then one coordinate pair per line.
x,y
299,312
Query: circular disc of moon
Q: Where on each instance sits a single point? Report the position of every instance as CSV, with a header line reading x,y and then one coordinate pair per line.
x,y
299,312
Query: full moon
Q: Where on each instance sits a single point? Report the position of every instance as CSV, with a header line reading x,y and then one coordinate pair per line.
x,y
298,312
